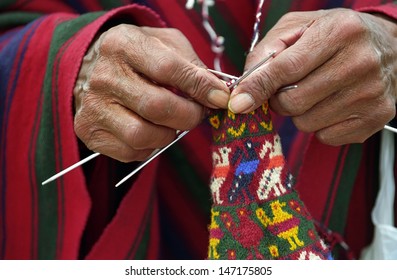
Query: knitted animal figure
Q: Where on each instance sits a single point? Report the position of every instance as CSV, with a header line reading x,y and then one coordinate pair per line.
x,y
256,213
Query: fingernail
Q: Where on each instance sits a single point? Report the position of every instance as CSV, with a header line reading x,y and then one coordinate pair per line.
x,y
218,98
241,103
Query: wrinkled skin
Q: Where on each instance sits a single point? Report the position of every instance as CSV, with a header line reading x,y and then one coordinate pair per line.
x,y
124,104
344,64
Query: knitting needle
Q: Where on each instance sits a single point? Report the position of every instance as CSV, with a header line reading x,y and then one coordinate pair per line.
x,y
249,72
143,164
223,75
233,84
390,128
237,80
70,168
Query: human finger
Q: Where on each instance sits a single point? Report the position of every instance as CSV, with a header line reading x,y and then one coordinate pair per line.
x,y
291,65
343,117
331,77
104,125
149,56
107,144
150,101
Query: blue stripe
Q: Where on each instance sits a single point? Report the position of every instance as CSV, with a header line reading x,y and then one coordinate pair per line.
x,y
77,6
335,4
8,35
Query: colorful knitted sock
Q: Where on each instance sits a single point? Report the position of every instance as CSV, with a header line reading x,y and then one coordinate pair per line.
x,y
256,213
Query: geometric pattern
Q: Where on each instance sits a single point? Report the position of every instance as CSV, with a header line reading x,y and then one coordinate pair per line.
x,y
256,213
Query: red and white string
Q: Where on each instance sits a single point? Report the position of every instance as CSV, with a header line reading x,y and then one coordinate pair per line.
x,y
217,42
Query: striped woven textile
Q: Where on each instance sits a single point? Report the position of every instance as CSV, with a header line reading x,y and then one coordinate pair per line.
x,y
164,211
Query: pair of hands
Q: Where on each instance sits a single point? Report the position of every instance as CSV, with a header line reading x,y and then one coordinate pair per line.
x,y
343,62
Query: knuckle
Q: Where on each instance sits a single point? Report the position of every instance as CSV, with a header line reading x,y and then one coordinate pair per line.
x,y
327,140
262,83
292,104
196,61
140,139
193,80
355,22
111,42
366,63
88,120
386,111
93,138
80,127
290,16
164,138
371,62
134,134
359,139
101,77
350,24
294,64
373,93
176,33
169,112
302,124
165,65
191,118
199,82
157,109
390,109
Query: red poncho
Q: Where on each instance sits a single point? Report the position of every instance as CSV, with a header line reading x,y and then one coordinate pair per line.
x,y
164,211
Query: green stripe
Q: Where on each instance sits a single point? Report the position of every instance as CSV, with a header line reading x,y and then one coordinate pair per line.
x,y
111,4
139,248
233,48
276,10
45,149
6,3
11,19
341,204
187,173
141,252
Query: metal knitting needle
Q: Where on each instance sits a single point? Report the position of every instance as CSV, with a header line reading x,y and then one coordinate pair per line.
x,y
143,164
390,128
235,83
223,75
250,71
70,168
237,80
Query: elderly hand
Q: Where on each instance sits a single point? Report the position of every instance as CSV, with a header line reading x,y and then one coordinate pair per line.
x,y
125,107
344,63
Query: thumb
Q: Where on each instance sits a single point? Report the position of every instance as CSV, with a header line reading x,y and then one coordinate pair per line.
x,y
177,66
260,85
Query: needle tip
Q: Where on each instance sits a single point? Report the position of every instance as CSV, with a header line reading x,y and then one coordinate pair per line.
x,y
46,182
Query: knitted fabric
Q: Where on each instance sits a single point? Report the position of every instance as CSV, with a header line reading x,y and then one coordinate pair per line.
x,y
256,214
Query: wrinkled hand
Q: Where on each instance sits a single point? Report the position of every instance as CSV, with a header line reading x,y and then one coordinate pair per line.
x,y
125,106
345,66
